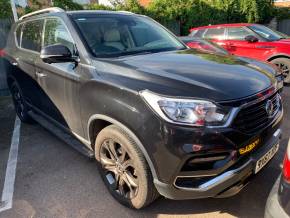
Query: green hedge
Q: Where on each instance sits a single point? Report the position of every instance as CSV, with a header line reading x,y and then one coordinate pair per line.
x,y
189,13
5,9
282,13
193,13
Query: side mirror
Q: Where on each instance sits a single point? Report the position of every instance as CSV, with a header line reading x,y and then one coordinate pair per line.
x,y
56,54
251,39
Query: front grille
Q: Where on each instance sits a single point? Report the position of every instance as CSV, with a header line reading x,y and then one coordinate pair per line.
x,y
255,117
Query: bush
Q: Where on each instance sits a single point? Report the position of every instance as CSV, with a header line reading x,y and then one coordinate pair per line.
x,y
5,9
98,7
203,12
67,5
132,6
282,13
189,13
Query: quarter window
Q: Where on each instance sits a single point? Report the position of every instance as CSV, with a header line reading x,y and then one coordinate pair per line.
x,y
56,33
215,33
237,33
31,37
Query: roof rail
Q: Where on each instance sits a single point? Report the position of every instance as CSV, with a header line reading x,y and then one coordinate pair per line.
x,y
43,11
126,12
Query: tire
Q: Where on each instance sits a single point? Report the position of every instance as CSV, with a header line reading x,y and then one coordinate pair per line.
x,y
124,169
21,108
284,65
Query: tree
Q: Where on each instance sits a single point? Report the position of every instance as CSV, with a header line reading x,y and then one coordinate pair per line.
x,y
132,6
5,9
67,5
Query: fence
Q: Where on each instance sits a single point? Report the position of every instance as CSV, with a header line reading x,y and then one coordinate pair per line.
x,y
4,29
284,26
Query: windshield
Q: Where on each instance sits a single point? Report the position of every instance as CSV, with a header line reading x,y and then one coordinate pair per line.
x,y
267,33
119,35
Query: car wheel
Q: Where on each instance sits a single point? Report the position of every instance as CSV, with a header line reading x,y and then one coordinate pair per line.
x,y
20,106
284,65
124,169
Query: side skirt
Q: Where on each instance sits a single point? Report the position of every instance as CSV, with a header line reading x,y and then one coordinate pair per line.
x,y
63,135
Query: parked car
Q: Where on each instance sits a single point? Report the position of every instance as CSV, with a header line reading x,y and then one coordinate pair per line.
x,y
211,47
203,45
159,118
250,40
278,203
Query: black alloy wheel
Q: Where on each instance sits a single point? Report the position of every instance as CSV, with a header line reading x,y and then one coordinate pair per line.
x,y
123,168
119,167
20,106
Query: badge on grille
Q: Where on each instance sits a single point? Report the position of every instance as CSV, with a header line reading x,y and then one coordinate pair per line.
x,y
269,108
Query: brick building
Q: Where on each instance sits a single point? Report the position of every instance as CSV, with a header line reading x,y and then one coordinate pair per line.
x,y
282,3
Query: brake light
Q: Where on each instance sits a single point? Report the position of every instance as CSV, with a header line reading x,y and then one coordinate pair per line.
x,y
286,164
2,53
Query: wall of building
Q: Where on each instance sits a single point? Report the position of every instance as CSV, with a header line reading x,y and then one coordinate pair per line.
x,y
282,3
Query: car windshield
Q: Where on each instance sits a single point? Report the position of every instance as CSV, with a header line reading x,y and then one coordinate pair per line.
x,y
267,33
119,35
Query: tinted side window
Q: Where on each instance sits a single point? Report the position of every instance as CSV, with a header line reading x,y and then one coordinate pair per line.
x,y
31,36
215,33
55,32
18,34
197,33
237,33
200,33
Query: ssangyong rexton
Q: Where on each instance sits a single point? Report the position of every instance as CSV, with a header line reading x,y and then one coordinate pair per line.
x,y
159,118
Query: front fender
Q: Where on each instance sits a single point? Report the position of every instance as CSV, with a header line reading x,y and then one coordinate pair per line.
x,y
124,108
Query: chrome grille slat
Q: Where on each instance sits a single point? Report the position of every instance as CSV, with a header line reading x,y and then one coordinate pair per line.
x,y
254,117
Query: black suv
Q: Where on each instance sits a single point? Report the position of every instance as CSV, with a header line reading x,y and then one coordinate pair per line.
x,y
159,118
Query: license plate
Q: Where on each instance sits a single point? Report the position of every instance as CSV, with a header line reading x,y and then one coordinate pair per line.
x,y
266,158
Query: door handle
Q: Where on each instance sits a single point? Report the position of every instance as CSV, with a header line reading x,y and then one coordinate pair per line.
x,y
40,75
15,63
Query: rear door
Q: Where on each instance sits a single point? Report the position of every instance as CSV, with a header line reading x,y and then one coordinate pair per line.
x,y
28,42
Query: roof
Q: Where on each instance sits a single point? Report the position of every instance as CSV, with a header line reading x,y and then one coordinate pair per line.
x,y
222,25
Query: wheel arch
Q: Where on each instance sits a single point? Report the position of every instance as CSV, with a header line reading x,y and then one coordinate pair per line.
x,y
99,121
278,56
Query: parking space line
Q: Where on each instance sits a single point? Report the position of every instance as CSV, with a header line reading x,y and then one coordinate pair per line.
x,y
8,189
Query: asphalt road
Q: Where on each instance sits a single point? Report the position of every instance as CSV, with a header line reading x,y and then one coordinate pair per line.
x,y
54,180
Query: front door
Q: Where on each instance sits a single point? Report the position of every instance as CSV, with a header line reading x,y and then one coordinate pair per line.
x,y
60,81
236,44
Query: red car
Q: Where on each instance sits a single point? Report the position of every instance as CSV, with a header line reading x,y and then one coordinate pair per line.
x,y
250,40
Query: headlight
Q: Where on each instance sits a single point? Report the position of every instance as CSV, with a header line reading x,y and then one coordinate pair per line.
x,y
186,111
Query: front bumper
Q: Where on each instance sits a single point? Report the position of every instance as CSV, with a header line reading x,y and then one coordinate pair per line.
x,y
225,184
273,207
